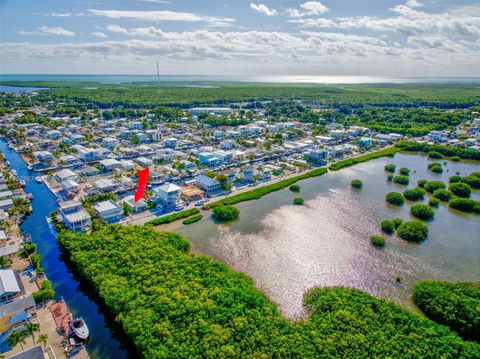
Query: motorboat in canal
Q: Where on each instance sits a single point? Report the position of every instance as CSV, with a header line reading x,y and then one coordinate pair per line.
x,y
29,167
38,179
23,183
79,328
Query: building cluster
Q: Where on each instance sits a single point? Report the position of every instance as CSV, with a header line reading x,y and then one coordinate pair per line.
x,y
466,135
190,160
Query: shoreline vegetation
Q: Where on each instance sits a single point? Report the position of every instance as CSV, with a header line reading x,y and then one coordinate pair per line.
x,y
262,191
223,314
224,310
173,217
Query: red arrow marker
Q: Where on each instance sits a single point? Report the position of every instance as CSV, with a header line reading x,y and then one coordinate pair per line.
x,y
142,183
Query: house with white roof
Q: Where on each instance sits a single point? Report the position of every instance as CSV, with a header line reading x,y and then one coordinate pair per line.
x,y
167,194
78,221
105,185
9,285
110,164
65,174
109,210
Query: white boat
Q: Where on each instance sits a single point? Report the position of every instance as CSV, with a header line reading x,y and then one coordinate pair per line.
x,y
79,328
23,183
29,167
38,179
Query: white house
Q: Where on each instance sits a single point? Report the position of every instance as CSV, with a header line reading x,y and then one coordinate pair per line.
x,y
9,286
108,210
144,162
168,194
78,221
110,164
65,174
105,185
70,186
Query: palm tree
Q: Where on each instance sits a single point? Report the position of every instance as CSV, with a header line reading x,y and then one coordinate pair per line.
x,y
31,328
17,337
43,339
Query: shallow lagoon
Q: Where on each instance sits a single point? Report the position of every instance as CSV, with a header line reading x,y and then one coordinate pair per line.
x,y
288,249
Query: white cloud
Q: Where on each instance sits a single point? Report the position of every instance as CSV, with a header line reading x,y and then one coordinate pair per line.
x,y
58,14
46,30
413,3
163,15
99,34
56,31
309,8
314,7
263,9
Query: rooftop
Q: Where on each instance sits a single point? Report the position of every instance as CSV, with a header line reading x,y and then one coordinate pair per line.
x,y
8,282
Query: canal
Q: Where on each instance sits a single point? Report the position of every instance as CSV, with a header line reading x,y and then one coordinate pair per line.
x,y
106,338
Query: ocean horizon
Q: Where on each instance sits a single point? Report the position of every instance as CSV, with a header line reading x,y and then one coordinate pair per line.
x,y
285,79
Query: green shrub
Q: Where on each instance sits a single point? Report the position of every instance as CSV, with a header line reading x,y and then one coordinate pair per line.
x,y
46,292
298,201
434,185
472,180
377,241
443,195
264,190
455,158
413,231
390,167
404,171
295,188
435,155
455,179
460,189
422,183
443,149
476,207
225,213
395,198
397,222
455,305
388,226
433,202
422,211
357,184
173,217
435,167
462,204
401,179
192,219
364,158
414,194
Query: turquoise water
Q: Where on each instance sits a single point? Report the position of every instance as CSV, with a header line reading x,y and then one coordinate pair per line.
x,y
114,79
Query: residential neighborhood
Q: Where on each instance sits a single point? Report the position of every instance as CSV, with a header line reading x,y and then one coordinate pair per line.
x,y
190,160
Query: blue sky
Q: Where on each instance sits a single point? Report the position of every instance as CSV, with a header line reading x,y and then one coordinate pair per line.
x,y
331,37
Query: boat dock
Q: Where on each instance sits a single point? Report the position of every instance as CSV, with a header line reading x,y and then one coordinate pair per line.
x,y
63,317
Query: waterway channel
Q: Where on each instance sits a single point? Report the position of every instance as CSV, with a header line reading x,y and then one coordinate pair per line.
x,y
106,339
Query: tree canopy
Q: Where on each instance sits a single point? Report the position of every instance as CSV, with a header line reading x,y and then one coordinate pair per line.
x,y
175,304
